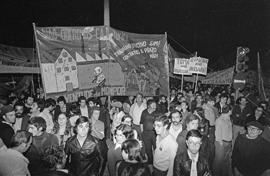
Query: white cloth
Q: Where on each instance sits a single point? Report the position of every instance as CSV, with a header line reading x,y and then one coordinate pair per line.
x,y
136,112
12,163
165,153
46,115
193,170
175,133
84,111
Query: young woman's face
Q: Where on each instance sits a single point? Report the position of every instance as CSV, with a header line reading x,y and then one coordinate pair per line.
x,y
96,114
83,129
62,119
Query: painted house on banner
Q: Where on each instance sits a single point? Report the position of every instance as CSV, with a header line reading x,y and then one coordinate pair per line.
x,y
66,72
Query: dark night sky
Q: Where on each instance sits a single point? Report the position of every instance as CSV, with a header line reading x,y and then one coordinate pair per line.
x,y
214,28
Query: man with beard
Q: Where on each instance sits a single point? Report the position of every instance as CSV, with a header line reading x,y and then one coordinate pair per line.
x,y
176,125
21,117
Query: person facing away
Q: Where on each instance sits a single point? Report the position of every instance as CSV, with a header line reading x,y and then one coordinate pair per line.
x,y
132,163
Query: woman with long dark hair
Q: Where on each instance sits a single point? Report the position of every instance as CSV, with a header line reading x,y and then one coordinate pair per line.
x,y
62,129
132,163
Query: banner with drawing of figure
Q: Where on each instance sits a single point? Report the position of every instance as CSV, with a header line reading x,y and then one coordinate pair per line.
x,y
96,61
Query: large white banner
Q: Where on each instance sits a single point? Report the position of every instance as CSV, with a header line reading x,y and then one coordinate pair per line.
x,y
198,65
181,66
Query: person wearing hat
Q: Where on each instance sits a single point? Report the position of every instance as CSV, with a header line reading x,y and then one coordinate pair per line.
x,y
250,156
6,126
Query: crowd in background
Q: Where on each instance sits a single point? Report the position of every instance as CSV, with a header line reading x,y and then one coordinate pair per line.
x,y
213,131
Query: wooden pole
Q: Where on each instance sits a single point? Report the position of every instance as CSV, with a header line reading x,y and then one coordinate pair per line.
x,y
196,82
107,12
38,53
182,83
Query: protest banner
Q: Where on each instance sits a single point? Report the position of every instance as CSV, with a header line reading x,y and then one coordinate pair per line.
x,y
181,67
198,65
96,61
222,77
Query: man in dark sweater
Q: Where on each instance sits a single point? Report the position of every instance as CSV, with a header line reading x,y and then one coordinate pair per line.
x,y
6,126
41,141
250,155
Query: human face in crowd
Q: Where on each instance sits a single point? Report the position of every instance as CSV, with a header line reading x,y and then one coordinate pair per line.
x,y
33,129
211,103
223,100
62,120
176,118
18,110
61,104
139,98
126,107
127,121
184,106
30,101
96,114
83,129
152,107
163,99
120,137
258,111
34,108
199,99
193,125
131,98
159,127
243,102
253,132
10,117
83,103
193,144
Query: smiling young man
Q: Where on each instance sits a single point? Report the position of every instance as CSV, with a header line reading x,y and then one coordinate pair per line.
x,y
166,147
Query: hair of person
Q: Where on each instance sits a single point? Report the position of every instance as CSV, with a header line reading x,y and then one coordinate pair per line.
x,y
53,156
194,133
191,117
19,103
240,99
226,109
93,99
127,130
174,112
38,122
49,102
61,98
27,95
12,99
224,95
20,137
40,104
149,102
81,98
164,119
133,149
126,117
56,126
139,94
75,110
81,120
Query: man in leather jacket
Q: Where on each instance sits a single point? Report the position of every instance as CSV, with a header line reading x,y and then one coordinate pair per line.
x,y
192,162
83,151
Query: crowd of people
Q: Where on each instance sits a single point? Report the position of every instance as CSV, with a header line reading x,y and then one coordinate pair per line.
x,y
210,132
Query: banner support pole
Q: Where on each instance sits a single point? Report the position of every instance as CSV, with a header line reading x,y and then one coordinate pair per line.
x,y
196,84
182,83
39,58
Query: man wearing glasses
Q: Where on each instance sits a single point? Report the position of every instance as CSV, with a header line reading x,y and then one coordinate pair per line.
x,y
191,162
250,156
